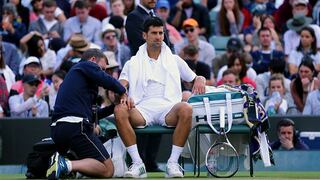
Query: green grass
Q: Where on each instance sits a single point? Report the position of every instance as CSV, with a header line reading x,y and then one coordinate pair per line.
x,y
240,175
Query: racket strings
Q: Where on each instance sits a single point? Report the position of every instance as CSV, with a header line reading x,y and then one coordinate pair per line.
x,y
222,160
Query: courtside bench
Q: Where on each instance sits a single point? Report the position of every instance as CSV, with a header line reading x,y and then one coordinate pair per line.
x,y
200,129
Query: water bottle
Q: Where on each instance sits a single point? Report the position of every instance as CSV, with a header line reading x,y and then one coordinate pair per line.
x,y
275,99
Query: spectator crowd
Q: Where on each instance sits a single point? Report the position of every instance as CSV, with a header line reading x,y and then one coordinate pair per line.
x,y
272,45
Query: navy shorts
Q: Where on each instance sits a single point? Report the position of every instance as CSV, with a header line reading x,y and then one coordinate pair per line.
x,y
78,137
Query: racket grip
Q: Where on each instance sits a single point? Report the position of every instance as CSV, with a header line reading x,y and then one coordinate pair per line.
x,y
222,120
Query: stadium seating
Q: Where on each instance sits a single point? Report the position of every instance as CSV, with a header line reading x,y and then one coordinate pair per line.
x,y
219,43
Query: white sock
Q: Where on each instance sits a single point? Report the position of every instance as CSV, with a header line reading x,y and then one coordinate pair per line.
x,y
175,154
134,154
69,165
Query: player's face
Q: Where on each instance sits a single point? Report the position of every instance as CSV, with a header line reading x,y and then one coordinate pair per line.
x,y
154,36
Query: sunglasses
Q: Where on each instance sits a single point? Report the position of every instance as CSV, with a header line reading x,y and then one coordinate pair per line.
x,y
188,30
110,37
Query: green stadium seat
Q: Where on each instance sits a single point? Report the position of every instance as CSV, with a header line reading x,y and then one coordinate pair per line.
x,y
219,43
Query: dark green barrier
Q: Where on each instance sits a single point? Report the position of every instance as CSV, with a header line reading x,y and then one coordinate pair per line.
x,y
18,135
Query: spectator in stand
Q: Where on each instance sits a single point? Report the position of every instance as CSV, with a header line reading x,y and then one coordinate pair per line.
x,y
10,55
307,47
234,45
96,10
22,12
82,23
275,66
265,5
300,20
237,63
28,104
267,21
303,84
118,23
287,137
192,31
276,103
289,8
313,100
12,30
129,6
316,13
35,46
163,10
191,56
186,9
7,79
47,25
110,41
229,77
229,19
30,66
57,79
264,54
37,7
117,9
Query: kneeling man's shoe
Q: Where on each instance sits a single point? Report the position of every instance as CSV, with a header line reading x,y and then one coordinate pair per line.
x,y
57,167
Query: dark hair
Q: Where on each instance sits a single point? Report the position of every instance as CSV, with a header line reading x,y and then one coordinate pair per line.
x,y
223,21
33,49
93,53
263,29
241,57
49,3
314,43
277,65
60,73
308,62
81,4
152,21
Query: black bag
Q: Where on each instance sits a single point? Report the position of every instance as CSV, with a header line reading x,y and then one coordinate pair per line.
x,y
38,159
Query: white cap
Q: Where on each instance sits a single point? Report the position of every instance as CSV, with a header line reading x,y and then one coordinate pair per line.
x,y
296,2
31,59
108,27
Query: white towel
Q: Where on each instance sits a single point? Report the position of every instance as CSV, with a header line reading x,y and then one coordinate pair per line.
x,y
140,71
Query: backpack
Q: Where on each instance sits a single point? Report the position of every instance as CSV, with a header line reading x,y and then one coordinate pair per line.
x,y
38,159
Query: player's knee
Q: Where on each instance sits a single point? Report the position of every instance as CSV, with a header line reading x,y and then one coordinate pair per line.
x,y
121,111
185,111
108,173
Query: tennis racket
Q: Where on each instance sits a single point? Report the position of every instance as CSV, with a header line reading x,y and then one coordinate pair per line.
x,y
222,159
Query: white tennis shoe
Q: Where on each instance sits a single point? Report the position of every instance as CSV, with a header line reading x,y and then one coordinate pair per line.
x,y
173,170
136,171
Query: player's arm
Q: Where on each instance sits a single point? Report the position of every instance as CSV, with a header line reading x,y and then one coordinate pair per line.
x,y
199,85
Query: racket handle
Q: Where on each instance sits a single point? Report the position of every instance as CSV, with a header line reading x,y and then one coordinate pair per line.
x,y
222,120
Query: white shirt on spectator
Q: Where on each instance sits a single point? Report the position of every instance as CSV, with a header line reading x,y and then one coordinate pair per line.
x,y
312,103
295,57
292,39
23,109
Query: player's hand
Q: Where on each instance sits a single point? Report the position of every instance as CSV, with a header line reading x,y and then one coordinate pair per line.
x,y
199,86
126,100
